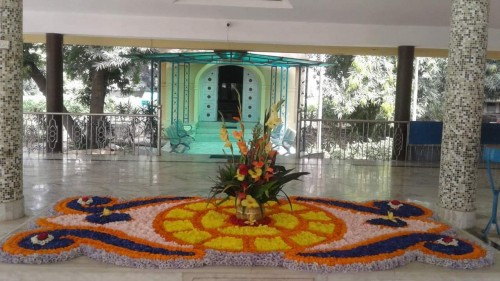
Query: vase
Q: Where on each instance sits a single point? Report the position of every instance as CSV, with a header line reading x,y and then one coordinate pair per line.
x,y
250,214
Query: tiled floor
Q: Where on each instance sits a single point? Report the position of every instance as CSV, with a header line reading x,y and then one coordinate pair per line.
x,y
46,181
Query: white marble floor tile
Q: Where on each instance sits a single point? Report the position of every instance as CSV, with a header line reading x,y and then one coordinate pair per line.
x,y
48,180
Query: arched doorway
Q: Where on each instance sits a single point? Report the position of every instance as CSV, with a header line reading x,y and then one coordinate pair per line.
x,y
217,94
230,78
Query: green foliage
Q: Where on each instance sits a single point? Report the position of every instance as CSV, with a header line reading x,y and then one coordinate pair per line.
x,y
361,87
262,191
431,88
367,91
339,69
82,62
72,105
33,54
492,80
34,103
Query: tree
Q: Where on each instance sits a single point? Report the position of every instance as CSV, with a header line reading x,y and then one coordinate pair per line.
x,y
99,68
361,87
34,65
339,67
34,68
492,80
431,88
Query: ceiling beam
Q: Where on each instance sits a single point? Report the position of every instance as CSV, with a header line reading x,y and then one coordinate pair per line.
x,y
207,45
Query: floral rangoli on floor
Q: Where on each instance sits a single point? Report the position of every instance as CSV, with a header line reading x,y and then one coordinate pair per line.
x,y
312,234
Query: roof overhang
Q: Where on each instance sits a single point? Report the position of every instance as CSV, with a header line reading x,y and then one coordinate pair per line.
x,y
226,57
319,26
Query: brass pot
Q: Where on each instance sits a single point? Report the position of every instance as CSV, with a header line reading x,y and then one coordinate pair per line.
x,y
250,214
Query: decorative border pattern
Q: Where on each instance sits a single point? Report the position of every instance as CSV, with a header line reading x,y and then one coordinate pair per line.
x,y
310,234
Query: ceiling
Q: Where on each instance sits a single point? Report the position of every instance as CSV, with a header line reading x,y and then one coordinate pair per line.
x,y
341,23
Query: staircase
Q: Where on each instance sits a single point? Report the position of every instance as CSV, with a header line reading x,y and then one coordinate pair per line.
x,y
210,131
207,137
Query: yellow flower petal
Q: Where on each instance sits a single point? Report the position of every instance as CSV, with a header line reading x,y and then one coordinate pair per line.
x,y
270,244
322,227
250,230
213,219
225,243
285,220
180,225
192,236
199,206
319,216
306,238
295,207
179,214
106,212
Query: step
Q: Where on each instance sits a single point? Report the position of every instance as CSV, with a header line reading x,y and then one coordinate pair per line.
x,y
229,125
207,130
211,137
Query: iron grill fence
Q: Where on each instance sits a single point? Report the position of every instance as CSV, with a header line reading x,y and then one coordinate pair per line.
x,y
83,133
353,139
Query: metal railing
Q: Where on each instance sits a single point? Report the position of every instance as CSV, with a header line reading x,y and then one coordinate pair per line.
x,y
353,139
84,133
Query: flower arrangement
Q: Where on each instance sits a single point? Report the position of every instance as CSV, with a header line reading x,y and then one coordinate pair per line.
x,y
254,178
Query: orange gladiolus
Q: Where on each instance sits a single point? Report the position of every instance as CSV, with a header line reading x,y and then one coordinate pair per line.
x,y
243,147
269,174
238,135
224,135
258,164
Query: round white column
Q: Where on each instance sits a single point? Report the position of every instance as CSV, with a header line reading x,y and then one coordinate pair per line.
x,y
464,103
11,105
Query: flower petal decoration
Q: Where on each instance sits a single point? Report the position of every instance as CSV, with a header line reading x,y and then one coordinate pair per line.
x,y
319,235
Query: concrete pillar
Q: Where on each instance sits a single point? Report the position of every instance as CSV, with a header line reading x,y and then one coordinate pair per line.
x,y
54,45
406,54
11,104
463,112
